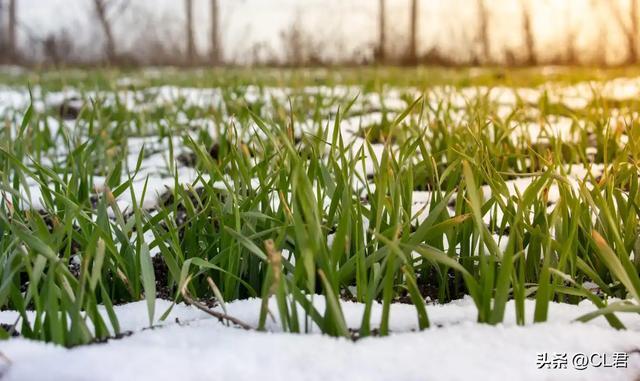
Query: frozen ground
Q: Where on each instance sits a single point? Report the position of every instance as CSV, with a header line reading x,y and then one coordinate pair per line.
x,y
192,346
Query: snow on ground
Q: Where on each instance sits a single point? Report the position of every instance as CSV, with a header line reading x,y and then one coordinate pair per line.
x,y
457,348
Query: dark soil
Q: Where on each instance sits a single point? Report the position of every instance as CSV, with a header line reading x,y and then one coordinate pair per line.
x,y
10,329
163,289
70,109
189,159
355,333
104,340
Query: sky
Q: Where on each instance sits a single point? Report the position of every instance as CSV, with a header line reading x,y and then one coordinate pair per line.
x,y
252,30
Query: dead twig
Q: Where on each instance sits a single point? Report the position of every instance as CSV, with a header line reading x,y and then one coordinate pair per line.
x,y
219,315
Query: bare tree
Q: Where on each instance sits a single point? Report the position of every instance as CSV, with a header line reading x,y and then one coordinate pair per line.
x,y
57,47
297,44
527,28
571,56
630,28
635,30
191,46
483,30
412,54
382,32
102,8
216,44
3,42
12,27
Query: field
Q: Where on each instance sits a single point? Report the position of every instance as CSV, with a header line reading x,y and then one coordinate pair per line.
x,y
457,212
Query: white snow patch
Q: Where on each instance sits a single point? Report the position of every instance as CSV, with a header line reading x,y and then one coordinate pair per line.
x,y
199,348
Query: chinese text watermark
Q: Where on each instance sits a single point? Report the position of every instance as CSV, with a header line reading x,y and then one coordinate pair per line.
x,y
582,361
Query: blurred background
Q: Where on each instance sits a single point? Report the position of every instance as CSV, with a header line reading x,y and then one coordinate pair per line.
x,y
319,32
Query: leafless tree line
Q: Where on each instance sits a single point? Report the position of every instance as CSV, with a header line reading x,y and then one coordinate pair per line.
x,y
104,11
630,29
629,24
303,48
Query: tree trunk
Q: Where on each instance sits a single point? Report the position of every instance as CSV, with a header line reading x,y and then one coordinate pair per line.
x,y
216,45
101,13
483,19
412,54
529,41
632,36
12,27
3,39
191,47
382,37
571,56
